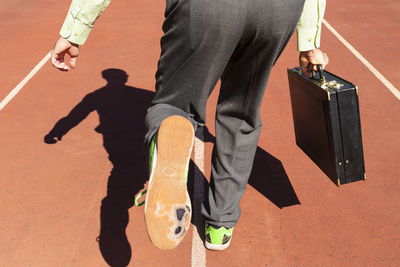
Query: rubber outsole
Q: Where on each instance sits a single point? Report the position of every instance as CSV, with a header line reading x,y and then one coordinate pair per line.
x,y
168,209
211,246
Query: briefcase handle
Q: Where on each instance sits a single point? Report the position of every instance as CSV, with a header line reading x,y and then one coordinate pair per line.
x,y
321,74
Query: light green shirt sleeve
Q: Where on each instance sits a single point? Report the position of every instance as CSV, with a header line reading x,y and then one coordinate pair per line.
x,y
80,19
309,25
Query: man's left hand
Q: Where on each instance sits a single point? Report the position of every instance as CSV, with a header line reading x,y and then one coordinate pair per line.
x,y
60,49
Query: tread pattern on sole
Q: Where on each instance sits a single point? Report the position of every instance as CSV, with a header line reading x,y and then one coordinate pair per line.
x,y
168,208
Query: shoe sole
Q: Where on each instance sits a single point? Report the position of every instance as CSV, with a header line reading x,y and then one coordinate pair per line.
x,y
167,208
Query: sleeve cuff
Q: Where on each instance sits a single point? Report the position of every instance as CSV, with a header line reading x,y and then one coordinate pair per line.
x,y
75,31
308,39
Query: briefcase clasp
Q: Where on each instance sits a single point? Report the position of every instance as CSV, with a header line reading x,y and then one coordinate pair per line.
x,y
333,84
322,81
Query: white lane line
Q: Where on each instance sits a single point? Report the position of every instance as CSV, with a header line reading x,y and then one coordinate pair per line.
x,y
18,88
198,249
378,75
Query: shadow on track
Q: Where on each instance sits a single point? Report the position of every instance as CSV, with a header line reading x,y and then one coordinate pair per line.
x,y
121,111
268,177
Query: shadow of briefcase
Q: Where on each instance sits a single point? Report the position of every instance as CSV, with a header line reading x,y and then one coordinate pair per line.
x,y
327,124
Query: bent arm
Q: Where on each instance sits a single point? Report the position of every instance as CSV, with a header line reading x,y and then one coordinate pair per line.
x,y
309,25
80,19
77,114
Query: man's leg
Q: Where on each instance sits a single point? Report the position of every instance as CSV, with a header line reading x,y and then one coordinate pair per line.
x,y
238,123
200,36
199,39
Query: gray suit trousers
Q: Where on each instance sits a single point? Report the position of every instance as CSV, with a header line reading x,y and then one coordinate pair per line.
x,y
237,41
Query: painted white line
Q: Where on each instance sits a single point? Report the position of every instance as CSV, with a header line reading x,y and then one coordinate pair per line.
x,y
378,75
18,88
198,249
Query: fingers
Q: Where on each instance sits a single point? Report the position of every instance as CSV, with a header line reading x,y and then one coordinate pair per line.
x,y
58,53
60,49
73,51
319,58
305,65
72,62
310,59
58,61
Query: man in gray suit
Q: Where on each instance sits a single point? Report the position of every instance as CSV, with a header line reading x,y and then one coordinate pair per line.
x,y
237,41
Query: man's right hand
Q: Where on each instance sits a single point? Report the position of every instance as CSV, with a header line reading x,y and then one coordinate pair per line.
x,y
309,60
60,49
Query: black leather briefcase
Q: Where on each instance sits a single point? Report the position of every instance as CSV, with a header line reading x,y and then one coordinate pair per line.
x,y
327,124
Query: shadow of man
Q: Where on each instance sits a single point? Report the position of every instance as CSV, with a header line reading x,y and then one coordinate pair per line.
x,y
121,111
268,176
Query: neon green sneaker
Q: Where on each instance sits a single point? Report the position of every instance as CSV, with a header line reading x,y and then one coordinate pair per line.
x,y
217,238
167,206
